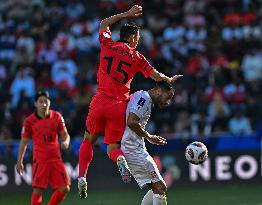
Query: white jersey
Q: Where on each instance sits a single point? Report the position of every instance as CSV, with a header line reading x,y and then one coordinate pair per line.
x,y
141,164
139,104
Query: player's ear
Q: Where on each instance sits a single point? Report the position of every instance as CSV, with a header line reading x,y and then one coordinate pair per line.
x,y
132,38
159,91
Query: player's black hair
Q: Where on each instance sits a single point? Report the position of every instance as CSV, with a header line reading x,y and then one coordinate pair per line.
x,y
165,86
127,30
42,93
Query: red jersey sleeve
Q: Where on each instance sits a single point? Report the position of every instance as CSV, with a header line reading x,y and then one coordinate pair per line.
x,y
26,129
61,123
105,37
144,66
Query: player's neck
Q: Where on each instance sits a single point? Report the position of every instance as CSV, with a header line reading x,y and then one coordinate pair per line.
x,y
124,41
150,92
43,114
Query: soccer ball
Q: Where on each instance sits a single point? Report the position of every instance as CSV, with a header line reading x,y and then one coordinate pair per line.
x,y
196,153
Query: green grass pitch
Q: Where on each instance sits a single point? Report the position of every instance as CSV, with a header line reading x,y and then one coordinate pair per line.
x,y
194,195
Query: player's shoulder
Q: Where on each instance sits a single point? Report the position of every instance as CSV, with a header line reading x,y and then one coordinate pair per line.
x,y
55,114
141,97
142,93
30,119
140,55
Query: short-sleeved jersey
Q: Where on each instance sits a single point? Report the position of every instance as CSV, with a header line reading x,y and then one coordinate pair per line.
x,y
140,104
44,133
118,65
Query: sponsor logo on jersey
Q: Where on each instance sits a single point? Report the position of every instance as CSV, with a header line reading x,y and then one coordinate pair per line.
x,y
141,102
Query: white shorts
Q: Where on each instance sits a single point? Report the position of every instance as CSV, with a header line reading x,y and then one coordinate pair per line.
x,y
142,166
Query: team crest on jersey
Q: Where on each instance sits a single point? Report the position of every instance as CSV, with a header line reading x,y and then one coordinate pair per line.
x,y
141,102
106,35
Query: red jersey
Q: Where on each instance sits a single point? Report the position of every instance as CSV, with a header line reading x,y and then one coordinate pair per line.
x,y
44,133
118,65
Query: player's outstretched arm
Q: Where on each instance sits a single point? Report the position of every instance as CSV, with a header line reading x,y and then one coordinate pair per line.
x,y
65,139
133,12
135,126
157,76
22,148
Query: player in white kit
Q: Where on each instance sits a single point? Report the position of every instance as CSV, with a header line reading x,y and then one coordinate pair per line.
x,y
141,164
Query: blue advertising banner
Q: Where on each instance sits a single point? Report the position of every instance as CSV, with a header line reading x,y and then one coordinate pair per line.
x,y
224,165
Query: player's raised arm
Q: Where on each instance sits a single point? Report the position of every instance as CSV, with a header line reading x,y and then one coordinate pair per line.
x,y
65,139
134,124
22,148
157,76
133,12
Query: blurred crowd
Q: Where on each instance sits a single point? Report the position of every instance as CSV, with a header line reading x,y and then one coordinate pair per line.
x,y
216,44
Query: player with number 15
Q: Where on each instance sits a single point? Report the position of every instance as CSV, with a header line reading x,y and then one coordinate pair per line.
x,y
119,62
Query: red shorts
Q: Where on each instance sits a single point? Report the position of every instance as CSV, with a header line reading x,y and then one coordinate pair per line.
x,y
53,173
107,116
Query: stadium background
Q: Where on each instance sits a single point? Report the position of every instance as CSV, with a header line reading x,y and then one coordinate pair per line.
x,y
216,44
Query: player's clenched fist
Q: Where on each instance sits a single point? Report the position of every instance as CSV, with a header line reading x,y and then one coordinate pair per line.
x,y
134,11
19,168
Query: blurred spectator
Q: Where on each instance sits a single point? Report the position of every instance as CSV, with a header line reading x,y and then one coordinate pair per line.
x,y
17,9
157,23
7,42
24,51
46,55
39,25
218,111
3,75
194,6
174,39
27,42
181,98
239,124
55,14
74,9
64,72
44,81
235,93
197,65
23,112
252,66
64,42
23,82
181,126
254,99
200,126
5,132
